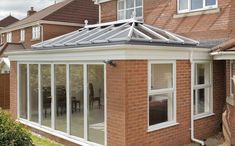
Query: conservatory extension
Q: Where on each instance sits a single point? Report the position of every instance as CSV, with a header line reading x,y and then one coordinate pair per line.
x,y
86,86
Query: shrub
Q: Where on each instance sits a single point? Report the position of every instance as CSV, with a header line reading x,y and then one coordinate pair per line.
x,y
13,133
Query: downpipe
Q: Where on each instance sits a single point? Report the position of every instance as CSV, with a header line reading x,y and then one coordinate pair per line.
x,y
192,114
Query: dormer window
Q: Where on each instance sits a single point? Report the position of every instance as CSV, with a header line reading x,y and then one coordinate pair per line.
x,y
36,32
125,9
185,6
9,37
22,35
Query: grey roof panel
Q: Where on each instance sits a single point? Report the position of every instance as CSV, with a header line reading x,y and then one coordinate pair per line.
x,y
116,31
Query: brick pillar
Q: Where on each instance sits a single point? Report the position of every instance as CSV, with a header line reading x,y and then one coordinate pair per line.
x,y
13,89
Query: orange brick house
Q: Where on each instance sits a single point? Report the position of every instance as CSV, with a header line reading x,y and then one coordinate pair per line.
x,y
53,21
145,76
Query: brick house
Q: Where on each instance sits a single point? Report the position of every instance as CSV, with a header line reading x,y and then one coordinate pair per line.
x,y
53,21
144,76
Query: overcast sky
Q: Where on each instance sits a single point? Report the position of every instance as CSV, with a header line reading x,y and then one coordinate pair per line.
x,y
19,8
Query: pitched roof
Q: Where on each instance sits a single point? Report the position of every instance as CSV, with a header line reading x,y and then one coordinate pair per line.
x,y
8,21
11,47
127,31
41,14
226,46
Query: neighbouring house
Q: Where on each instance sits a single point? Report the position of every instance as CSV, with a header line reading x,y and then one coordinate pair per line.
x,y
53,21
7,21
147,75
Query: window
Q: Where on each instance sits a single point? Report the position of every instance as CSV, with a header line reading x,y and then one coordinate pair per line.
x,y
36,32
127,7
162,102
195,5
9,37
22,35
65,98
231,79
202,88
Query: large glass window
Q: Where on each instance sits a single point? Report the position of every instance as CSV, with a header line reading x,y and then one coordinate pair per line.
x,y
23,90
96,103
22,35
161,94
9,37
33,92
77,100
70,99
36,32
195,5
202,88
126,9
46,94
60,96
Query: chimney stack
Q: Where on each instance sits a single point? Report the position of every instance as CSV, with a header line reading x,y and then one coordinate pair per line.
x,y
31,11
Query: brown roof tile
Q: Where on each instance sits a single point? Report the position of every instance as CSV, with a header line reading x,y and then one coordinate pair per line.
x,y
226,46
8,21
9,47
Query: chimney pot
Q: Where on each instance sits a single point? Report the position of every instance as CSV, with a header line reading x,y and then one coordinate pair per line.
x,y
31,11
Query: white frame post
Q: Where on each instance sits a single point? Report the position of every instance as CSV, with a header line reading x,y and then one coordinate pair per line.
x,y
68,99
28,94
39,96
53,100
86,105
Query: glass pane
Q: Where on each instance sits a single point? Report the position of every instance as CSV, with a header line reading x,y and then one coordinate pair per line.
x,y
23,91
139,12
183,4
77,100
196,4
121,15
120,4
202,74
60,97
130,4
46,94
138,3
129,13
160,108
96,103
161,76
33,92
210,2
201,101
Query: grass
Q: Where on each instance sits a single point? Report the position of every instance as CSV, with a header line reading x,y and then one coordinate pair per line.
x,y
41,141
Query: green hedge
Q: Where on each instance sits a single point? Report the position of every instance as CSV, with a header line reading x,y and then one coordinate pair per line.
x,y
13,133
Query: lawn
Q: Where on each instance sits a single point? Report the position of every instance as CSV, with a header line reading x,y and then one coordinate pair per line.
x,y
42,141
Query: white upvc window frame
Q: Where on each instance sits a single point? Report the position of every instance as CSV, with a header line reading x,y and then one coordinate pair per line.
x,y
231,78
188,10
9,37
172,91
208,103
36,32
125,9
22,35
65,135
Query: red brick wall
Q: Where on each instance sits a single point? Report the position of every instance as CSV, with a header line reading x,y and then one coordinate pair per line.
x,y
4,91
13,89
161,13
127,106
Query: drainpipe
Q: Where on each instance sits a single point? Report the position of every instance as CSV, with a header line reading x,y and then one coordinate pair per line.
x,y
192,114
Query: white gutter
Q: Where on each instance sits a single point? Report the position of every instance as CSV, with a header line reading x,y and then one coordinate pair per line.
x,y
192,105
223,53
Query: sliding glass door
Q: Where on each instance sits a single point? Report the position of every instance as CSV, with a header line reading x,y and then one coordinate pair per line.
x,y
69,98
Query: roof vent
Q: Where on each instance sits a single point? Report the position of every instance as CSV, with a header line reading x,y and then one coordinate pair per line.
x,y
31,11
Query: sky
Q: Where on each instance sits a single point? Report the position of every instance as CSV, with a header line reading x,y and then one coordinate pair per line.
x,y
19,8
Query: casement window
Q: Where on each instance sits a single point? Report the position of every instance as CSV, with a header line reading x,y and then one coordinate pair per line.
x,y
196,5
231,79
36,32
202,89
9,37
126,9
65,98
161,100
22,35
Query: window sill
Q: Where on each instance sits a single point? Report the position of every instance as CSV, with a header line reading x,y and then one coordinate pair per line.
x,y
196,13
230,100
162,126
204,115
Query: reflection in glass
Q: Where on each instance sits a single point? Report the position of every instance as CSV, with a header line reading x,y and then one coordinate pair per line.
x,y
183,4
46,94
196,4
96,103
23,90
77,100
33,92
60,97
